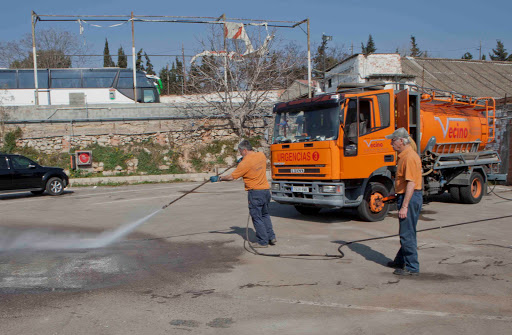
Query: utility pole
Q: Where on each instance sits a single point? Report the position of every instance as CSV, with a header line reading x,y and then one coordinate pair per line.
x,y
34,56
184,69
480,51
168,83
309,63
352,49
225,59
325,39
133,63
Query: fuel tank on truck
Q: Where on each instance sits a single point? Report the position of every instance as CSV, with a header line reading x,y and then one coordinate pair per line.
x,y
453,124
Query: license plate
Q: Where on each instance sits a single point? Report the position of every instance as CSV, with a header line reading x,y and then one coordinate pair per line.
x,y
300,189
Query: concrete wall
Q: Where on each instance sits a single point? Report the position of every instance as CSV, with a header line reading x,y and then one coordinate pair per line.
x,y
357,68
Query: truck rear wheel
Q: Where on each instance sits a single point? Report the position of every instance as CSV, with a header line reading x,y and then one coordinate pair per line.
x,y
472,194
455,193
372,208
307,210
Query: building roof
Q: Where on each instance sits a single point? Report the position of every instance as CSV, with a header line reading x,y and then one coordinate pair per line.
x,y
472,77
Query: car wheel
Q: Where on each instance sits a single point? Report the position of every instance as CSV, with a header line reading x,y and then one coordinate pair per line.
x,y
472,194
54,186
307,210
38,192
372,208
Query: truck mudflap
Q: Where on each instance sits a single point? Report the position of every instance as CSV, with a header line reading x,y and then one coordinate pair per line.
x,y
317,194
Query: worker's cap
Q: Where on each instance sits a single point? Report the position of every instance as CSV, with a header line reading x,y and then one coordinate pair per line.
x,y
399,133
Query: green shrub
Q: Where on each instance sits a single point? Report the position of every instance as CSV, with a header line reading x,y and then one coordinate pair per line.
x,y
110,156
10,139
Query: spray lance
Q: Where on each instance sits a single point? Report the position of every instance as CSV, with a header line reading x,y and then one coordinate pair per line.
x,y
206,181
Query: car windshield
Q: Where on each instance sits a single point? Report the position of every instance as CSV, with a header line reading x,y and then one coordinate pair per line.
x,y
307,125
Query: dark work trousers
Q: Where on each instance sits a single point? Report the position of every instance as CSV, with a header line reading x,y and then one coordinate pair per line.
x,y
408,253
258,208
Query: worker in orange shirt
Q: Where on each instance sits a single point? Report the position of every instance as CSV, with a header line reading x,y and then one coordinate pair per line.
x,y
408,187
253,169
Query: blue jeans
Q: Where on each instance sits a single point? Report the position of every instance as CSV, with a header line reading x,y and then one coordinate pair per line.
x,y
258,208
408,253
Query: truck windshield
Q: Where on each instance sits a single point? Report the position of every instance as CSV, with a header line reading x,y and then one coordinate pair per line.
x,y
306,125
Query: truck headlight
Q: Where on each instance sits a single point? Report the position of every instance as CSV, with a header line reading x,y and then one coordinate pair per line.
x,y
275,186
329,188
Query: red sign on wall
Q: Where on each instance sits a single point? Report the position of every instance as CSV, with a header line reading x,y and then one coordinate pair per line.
x,y
83,158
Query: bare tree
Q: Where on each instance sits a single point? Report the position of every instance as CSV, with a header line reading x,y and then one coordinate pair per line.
x,y
239,85
55,48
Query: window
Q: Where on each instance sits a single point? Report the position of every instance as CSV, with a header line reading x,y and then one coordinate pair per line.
x,y
384,111
20,162
8,79
3,163
26,78
125,80
103,78
329,82
365,116
66,78
143,81
149,96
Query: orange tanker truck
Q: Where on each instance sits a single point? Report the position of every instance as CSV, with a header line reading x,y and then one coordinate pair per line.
x,y
330,151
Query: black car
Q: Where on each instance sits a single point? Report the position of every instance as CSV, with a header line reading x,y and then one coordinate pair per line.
x,y
18,173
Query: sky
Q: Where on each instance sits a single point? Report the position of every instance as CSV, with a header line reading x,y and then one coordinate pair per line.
x,y
446,29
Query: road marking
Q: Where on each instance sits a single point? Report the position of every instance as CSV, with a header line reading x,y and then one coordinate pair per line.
x,y
163,197
88,195
388,310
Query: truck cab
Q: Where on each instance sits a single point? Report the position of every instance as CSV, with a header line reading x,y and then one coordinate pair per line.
x,y
330,151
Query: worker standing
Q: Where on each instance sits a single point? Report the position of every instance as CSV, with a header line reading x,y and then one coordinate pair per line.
x,y
253,169
408,187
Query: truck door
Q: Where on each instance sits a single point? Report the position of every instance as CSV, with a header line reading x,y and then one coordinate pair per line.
x,y
5,175
402,110
367,119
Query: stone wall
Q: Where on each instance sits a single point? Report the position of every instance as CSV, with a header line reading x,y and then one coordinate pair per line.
x,y
61,137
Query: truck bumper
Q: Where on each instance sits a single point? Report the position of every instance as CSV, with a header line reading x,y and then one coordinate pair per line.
x,y
285,192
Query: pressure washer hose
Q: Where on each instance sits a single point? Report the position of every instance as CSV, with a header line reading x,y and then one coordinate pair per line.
x,y
329,256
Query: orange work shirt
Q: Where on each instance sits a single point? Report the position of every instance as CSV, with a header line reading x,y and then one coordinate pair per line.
x,y
253,169
408,169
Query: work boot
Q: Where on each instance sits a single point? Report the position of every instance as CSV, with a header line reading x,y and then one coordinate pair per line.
x,y
405,272
394,265
272,241
257,245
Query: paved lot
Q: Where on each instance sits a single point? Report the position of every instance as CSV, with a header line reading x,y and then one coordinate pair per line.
x,y
185,270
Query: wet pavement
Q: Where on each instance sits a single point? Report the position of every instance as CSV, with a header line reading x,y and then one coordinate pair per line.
x,y
186,269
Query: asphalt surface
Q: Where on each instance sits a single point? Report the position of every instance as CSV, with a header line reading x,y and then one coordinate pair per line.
x,y
186,271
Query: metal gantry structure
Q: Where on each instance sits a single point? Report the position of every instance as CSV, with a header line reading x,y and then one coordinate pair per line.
x,y
159,19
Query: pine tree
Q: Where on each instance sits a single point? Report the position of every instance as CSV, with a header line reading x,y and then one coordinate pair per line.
x,y
149,66
415,51
122,60
139,65
107,59
467,55
370,46
500,53
165,77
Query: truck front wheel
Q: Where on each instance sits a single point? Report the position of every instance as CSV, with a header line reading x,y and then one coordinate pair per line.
x,y
472,194
372,208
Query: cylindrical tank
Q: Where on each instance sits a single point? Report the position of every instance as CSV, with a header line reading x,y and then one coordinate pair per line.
x,y
451,124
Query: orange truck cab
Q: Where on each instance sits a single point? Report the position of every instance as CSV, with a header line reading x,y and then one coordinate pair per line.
x,y
330,151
